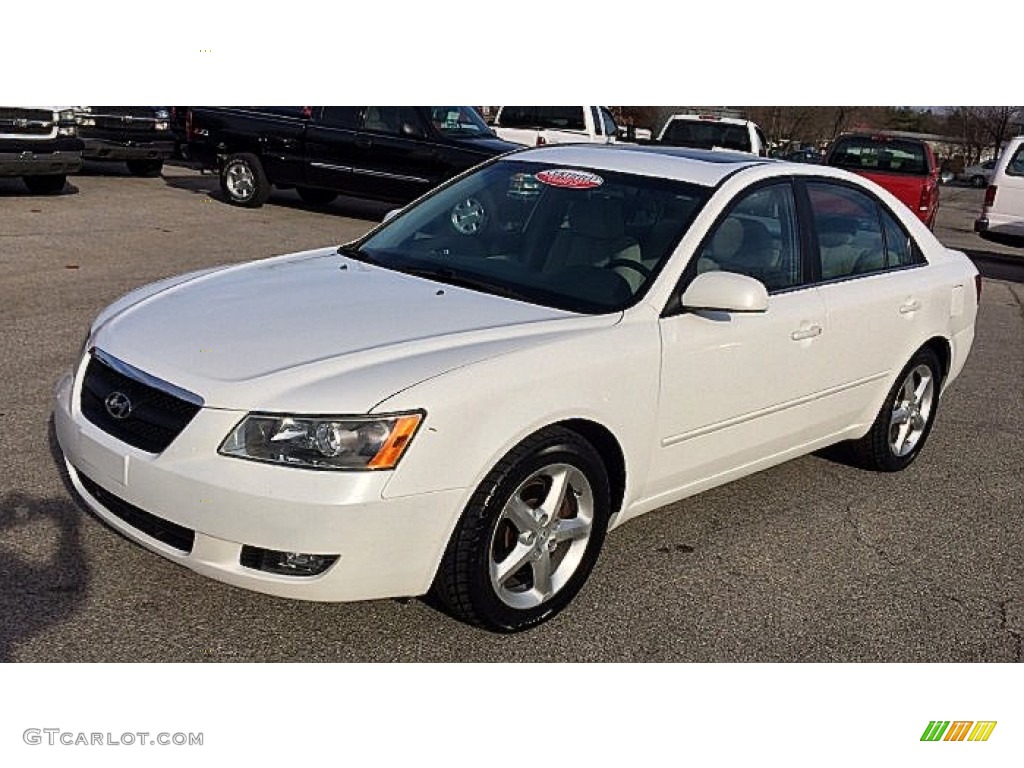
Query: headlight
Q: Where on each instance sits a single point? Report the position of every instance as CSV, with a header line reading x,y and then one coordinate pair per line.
x,y
66,123
161,125
323,442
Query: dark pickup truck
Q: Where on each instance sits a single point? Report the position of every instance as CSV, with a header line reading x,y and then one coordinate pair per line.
x,y
141,137
392,154
41,145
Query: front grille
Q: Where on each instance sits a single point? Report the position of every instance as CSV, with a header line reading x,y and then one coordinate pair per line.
x,y
25,122
171,534
155,416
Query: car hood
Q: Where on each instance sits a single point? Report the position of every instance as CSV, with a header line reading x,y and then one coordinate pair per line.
x,y
317,332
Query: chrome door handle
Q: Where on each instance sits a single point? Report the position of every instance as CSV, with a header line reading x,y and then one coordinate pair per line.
x,y
911,306
806,333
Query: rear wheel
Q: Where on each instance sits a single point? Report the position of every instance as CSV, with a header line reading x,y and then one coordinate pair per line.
x,y
145,168
45,185
314,196
243,180
529,536
905,421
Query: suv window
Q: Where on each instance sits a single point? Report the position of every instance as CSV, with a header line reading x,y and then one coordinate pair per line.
x,y
561,118
758,238
707,134
517,117
1016,165
341,117
390,119
869,153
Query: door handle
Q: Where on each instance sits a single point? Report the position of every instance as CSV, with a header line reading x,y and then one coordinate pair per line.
x,y
806,333
912,305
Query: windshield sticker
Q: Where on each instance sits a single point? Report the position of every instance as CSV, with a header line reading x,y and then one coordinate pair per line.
x,y
569,179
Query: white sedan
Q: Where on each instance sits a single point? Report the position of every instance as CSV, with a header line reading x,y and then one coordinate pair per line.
x,y
469,397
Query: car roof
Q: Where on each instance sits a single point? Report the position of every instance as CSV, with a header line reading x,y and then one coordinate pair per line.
x,y
696,166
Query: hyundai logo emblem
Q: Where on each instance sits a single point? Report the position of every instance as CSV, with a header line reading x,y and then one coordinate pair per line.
x,y
118,405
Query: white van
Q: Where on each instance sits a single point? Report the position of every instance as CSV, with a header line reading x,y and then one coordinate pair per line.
x,y
535,126
1003,211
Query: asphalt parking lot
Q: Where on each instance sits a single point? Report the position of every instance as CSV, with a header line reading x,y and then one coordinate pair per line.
x,y
810,561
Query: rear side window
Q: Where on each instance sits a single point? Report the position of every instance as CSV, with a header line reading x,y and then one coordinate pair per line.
x,y
856,235
758,238
866,153
561,118
1016,165
517,117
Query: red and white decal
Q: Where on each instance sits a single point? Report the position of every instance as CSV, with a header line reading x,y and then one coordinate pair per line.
x,y
570,179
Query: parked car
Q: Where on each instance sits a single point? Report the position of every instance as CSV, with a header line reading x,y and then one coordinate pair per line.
x,y
468,397
41,145
980,174
536,126
1002,214
140,137
805,155
712,132
903,166
394,154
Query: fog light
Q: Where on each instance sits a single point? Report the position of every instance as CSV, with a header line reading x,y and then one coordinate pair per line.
x,y
286,563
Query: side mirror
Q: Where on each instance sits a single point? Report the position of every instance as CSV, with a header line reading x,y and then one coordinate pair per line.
x,y
725,292
410,131
390,215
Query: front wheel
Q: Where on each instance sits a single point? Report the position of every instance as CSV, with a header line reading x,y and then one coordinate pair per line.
x,y
529,536
45,185
905,420
243,181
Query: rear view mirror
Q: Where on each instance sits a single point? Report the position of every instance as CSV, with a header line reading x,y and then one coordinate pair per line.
x,y
725,292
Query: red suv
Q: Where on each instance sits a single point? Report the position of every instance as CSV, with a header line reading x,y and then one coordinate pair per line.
x,y
903,166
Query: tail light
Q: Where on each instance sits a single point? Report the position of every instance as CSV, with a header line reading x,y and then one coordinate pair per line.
x,y
977,286
541,141
926,197
990,196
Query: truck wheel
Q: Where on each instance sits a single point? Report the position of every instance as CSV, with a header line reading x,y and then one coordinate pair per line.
x,y
145,168
45,185
314,196
243,181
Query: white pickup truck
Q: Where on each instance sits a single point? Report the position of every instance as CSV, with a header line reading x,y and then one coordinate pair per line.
x,y
535,126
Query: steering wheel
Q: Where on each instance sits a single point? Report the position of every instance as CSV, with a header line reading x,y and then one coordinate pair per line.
x,y
644,271
469,216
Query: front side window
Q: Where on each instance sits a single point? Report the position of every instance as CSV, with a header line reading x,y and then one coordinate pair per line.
x,y
571,238
458,122
758,238
396,121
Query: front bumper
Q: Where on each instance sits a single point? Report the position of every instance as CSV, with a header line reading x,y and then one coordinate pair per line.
x,y
388,547
109,149
29,163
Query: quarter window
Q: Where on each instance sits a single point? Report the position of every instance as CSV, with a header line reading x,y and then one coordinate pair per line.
x,y
758,238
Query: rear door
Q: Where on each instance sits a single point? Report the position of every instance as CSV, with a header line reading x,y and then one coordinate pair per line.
x,y
331,150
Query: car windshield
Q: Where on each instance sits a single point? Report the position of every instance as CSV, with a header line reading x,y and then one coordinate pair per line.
x,y
462,122
868,153
707,134
582,240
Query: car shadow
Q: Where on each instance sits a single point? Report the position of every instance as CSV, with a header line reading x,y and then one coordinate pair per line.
x,y
43,571
14,187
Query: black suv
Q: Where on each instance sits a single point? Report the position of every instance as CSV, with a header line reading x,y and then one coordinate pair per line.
x,y
393,154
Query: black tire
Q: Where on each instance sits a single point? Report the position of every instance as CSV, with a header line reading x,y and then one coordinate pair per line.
x,y
243,180
45,185
878,450
145,168
313,196
464,584
979,181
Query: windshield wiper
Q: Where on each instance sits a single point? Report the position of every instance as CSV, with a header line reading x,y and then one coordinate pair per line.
x,y
451,277
356,253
